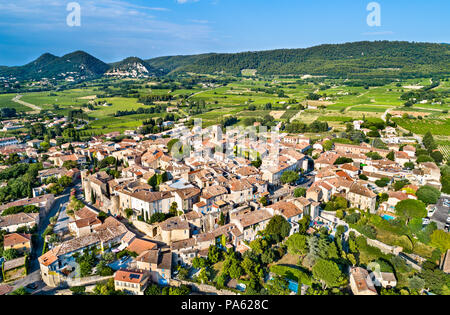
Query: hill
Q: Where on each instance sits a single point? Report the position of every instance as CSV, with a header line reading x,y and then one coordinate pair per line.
x,y
171,63
77,65
132,67
351,60
359,59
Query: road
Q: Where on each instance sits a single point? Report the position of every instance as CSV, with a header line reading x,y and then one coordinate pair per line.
x,y
442,213
34,275
36,109
63,220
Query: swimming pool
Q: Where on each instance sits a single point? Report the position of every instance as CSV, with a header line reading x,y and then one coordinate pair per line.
x,y
388,217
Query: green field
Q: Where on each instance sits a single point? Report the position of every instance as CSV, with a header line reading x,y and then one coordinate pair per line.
x,y
438,127
6,101
344,103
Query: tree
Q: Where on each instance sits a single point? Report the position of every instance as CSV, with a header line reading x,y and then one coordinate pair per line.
x,y
327,145
157,217
78,290
199,262
268,256
129,212
214,254
221,221
424,158
102,216
445,181
249,266
235,270
278,227
416,283
203,276
441,240
103,269
20,291
173,210
153,181
437,156
263,200
328,273
257,163
10,254
297,244
289,177
300,192
65,181
336,203
428,141
343,160
429,195
435,279
382,182
391,156
70,164
374,156
340,230
278,286
303,224
153,289
259,246
171,143
410,209
399,184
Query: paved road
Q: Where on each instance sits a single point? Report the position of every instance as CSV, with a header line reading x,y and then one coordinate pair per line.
x,y
34,275
63,220
36,109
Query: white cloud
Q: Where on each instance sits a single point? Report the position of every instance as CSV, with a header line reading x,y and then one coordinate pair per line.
x,y
186,1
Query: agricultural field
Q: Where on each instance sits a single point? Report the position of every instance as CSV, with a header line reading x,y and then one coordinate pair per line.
x,y
438,127
245,98
69,99
444,147
6,101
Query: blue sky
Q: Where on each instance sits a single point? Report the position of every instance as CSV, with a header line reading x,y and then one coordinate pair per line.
x,y
114,29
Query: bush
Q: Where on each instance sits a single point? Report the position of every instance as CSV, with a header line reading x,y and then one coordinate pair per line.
x,y
382,182
352,218
428,194
368,231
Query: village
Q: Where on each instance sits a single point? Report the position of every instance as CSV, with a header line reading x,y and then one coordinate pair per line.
x,y
216,210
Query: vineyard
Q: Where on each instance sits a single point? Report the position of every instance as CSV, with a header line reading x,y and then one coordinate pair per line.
x,y
445,150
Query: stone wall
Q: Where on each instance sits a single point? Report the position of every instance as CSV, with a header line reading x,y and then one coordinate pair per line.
x,y
201,288
148,229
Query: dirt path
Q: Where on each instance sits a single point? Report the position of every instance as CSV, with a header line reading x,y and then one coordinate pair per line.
x,y
35,108
296,116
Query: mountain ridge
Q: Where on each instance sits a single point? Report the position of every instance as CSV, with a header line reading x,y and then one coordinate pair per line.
x,y
366,58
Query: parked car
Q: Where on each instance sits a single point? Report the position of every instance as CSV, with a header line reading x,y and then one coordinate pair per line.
x,y
32,286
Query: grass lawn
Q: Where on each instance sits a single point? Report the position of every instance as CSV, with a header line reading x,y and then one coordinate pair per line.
x,y
292,272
